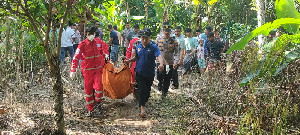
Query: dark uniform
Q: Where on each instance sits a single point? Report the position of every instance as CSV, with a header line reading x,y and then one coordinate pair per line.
x,y
214,53
169,49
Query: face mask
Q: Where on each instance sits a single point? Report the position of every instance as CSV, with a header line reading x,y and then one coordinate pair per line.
x,y
91,37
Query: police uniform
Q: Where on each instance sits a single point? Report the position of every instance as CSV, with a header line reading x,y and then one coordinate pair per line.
x,y
169,48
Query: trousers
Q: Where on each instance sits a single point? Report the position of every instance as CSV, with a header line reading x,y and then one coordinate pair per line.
x,y
93,87
144,87
164,79
175,77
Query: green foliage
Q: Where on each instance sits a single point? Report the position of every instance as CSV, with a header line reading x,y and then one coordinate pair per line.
x,y
233,31
158,5
33,49
178,11
278,56
264,29
282,12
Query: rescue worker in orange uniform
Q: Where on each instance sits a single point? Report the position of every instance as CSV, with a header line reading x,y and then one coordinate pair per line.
x,y
92,52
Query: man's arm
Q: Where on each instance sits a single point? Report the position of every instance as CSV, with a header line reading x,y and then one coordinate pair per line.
x,y
134,59
104,48
77,57
120,38
176,54
110,39
182,51
195,49
161,63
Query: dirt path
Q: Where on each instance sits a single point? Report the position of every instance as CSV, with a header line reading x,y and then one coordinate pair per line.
x,y
32,112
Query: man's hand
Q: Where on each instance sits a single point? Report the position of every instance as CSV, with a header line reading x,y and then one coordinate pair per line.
x,y
175,66
72,75
161,67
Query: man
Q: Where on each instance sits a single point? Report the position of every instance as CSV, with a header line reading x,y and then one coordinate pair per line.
x,y
118,33
99,32
125,35
168,46
146,53
190,44
131,52
66,43
207,30
92,52
179,57
161,33
114,44
76,36
214,50
198,34
134,33
217,35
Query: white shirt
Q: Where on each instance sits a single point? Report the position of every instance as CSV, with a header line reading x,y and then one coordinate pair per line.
x,y
66,38
76,37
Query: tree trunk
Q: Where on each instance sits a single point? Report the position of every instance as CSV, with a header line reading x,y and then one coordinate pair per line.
x,y
146,9
199,18
19,59
127,10
260,18
7,44
165,15
58,92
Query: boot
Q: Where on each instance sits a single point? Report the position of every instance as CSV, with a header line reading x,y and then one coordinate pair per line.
x,y
99,109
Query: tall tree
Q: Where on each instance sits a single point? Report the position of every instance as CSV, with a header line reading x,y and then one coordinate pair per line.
x,y
127,10
146,9
260,5
39,13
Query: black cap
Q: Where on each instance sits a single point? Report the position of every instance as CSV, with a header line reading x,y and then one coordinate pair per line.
x,y
166,23
167,28
178,27
146,33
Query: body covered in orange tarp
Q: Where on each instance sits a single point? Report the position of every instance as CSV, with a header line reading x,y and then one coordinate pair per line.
x,y
116,82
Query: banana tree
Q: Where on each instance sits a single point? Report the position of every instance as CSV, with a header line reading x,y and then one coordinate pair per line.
x,y
110,12
283,50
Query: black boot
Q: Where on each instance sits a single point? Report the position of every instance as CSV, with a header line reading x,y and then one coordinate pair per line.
x,y
99,109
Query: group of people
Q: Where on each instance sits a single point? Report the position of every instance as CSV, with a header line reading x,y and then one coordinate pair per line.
x,y
170,51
